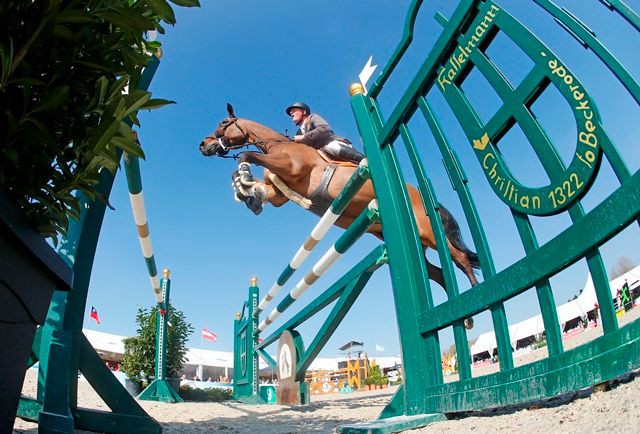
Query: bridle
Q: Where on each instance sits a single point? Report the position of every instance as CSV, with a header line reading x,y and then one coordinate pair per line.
x,y
225,148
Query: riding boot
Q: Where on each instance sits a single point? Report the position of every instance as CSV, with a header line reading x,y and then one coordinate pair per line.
x,y
348,153
343,152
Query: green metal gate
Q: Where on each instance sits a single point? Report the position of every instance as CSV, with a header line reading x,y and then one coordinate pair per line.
x,y
459,50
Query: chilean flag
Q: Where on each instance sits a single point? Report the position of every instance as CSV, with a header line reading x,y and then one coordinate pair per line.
x,y
209,335
94,314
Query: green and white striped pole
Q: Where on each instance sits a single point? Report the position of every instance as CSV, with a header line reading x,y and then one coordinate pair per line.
x,y
336,208
360,225
134,183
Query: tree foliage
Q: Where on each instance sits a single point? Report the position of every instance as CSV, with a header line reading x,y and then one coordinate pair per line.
x,y
622,265
140,351
65,111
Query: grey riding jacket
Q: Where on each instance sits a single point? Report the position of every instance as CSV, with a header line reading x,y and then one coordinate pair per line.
x,y
317,133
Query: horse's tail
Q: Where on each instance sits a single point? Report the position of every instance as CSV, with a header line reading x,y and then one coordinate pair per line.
x,y
452,231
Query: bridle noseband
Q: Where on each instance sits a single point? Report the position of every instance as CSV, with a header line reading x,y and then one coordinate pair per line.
x,y
225,148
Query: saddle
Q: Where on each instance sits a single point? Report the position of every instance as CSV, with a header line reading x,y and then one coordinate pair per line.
x,y
330,160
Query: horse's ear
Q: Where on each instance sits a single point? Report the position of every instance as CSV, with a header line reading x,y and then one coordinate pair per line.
x,y
230,111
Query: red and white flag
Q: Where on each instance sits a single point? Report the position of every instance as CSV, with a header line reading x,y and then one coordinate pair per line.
x,y
94,314
209,335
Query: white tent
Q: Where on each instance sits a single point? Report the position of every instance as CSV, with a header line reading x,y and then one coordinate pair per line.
x,y
579,307
486,342
527,328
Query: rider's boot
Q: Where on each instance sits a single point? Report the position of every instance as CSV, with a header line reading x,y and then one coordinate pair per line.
x,y
343,152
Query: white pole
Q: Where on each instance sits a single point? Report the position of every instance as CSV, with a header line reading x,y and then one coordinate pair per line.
x,y
200,368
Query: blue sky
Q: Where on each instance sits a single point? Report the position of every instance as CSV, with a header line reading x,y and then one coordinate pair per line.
x,y
261,56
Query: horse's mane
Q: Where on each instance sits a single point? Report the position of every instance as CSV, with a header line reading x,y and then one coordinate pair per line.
x,y
263,132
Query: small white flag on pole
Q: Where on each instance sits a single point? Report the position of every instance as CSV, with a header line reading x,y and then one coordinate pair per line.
x,y
366,73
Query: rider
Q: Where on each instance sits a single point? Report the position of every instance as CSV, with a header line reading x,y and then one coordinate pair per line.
x,y
314,131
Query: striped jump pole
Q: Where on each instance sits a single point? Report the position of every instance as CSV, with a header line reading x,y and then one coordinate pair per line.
x,y
134,182
360,225
338,205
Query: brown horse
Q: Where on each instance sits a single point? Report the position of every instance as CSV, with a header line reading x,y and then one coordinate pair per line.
x,y
302,168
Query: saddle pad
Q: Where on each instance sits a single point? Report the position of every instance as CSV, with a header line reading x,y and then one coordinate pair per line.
x,y
341,163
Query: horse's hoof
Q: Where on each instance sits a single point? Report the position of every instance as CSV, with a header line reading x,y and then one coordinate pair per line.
x,y
468,323
254,205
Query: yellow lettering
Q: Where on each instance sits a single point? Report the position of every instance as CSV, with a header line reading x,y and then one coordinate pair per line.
x,y
493,172
470,46
442,80
589,126
524,202
479,31
535,202
486,157
588,139
583,160
452,74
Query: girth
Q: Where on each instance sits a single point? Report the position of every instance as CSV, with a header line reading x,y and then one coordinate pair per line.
x,y
320,199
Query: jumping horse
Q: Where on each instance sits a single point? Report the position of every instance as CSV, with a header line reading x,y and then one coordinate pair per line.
x,y
301,169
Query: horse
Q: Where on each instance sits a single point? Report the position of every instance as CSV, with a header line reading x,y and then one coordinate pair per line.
x,y
299,169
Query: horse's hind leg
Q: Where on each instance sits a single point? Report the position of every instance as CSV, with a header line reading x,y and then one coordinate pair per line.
x,y
435,272
461,259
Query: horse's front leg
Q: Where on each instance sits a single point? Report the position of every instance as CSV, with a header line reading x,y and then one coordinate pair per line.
x,y
254,192
281,164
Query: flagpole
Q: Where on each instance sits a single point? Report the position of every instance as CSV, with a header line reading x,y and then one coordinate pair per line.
x,y
201,345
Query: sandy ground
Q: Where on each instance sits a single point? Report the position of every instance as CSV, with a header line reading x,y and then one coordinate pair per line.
x,y
581,412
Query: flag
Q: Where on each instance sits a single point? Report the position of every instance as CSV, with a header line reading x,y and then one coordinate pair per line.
x,y
94,314
209,335
379,348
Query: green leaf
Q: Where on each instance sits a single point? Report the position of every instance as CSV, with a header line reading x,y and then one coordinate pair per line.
x,y
63,32
163,9
54,98
136,100
125,19
155,103
186,3
73,16
26,81
129,146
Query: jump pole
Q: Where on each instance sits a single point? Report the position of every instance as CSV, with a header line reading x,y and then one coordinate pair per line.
x,y
159,389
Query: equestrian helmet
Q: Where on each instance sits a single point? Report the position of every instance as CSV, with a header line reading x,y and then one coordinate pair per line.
x,y
299,105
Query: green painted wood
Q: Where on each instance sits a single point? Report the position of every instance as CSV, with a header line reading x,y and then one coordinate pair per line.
x,y
411,286
102,421
333,320
601,360
245,356
458,50
29,409
375,259
162,391
570,245
432,206
63,349
459,180
392,424
625,11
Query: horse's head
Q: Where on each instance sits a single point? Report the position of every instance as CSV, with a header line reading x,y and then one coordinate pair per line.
x,y
229,135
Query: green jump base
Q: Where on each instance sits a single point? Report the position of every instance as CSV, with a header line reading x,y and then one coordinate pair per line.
x,y
253,400
392,424
86,419
160,390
